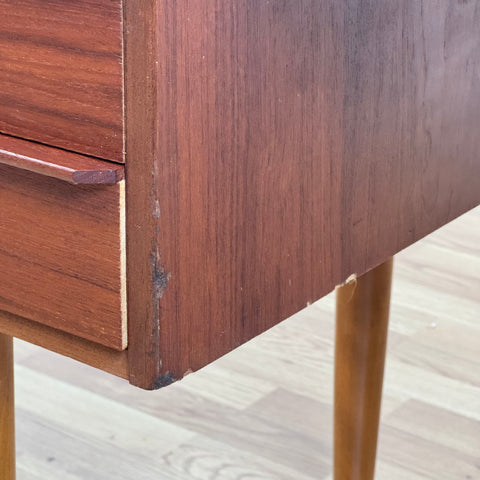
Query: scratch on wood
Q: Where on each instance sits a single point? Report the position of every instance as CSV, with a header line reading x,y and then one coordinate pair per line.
x,y
156,210
160,276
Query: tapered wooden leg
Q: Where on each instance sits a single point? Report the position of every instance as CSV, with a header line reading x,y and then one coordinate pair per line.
x,y
361,337
7,413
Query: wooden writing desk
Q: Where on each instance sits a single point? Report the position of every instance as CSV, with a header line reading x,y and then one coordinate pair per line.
x,y
177,177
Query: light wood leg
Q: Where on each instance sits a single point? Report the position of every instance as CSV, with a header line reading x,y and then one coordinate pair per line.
x,y
361,337
7,410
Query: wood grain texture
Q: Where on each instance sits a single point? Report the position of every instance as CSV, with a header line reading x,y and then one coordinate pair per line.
x,y
62,255
146,277
52,162
72,346
287,145
411,117
7,409
362,313
61,74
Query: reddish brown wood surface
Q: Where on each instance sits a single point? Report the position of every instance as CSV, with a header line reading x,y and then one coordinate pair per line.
x,y
292,144
52,162
85,351
61,74
61,254
363,306
146,277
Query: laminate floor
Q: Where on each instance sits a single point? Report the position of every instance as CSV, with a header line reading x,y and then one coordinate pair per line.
x,y
265,410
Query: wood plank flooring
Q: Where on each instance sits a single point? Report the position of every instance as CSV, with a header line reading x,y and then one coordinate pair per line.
x,y
265,410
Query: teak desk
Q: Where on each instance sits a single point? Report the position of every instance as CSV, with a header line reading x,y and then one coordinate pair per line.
x,y
178,176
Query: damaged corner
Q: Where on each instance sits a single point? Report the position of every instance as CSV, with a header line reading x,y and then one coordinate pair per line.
x,y
352,279
163,380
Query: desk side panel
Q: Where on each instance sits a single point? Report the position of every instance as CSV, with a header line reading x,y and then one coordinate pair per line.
x,y
292,144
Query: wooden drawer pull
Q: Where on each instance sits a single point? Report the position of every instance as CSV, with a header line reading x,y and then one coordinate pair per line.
x,y
53,162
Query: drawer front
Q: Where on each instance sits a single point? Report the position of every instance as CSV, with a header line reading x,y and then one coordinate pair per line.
x,y
62,255
61,74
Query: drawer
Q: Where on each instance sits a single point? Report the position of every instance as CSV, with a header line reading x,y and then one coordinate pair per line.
x,y
61,74
62,253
